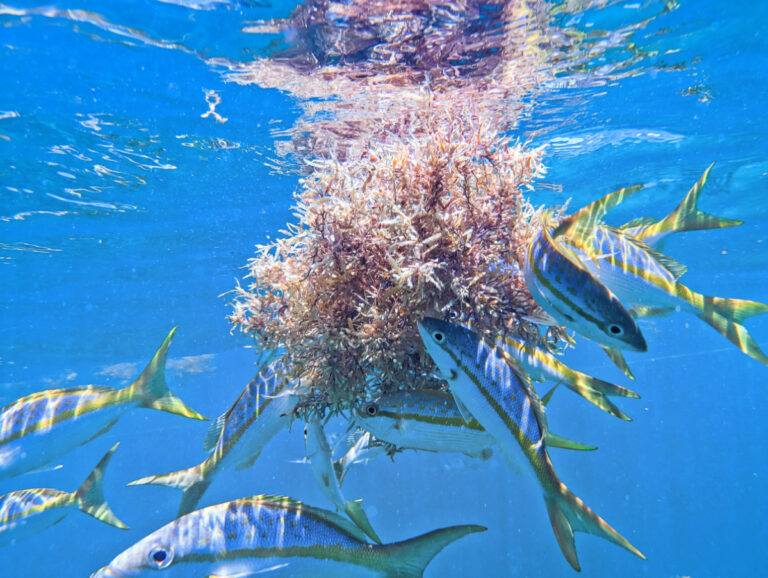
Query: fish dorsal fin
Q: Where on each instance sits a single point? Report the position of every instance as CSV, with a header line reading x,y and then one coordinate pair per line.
x,y
337,520
214,432
580,225
675,267
563,249
556,441
639,222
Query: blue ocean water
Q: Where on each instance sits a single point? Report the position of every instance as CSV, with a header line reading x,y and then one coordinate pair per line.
x,y
125,211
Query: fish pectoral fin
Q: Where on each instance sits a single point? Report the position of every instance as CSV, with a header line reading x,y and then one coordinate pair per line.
x,y
556,441
250,572
617,357
462,409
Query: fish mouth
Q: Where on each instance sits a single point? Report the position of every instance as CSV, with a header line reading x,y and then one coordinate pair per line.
x,y
637,343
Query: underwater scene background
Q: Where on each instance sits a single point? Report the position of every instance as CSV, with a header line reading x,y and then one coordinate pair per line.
x,y
138,173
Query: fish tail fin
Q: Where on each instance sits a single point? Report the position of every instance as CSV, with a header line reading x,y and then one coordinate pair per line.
x,y
409,558
596,391
90,496
356,513
191,482
726,317
737,310
150,389
688,217
568,514
734,332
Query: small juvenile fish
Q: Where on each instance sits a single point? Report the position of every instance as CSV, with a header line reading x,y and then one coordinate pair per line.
x,y
495,390
426,420
26,513
644,278
38,428
574,298
276,536
363,450
540,365
321,462
237,437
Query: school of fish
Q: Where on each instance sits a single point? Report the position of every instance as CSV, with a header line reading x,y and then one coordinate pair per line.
x,y
595,280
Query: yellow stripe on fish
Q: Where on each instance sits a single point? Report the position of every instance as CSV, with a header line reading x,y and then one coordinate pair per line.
x,y
495,391
642,277
38,428
26,513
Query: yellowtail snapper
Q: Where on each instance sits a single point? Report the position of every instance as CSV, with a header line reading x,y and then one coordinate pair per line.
x,y
321,462
574,298
426,420
540,365
276,536
642,277
685,217
431,420
496,391
40,427
26,513
237,437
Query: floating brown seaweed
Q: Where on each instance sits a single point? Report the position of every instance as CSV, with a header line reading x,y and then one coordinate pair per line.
x,y
412,198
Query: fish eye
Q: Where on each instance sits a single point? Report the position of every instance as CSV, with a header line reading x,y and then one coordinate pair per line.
x,y
160,557
616,329
438,336
452,314
371,409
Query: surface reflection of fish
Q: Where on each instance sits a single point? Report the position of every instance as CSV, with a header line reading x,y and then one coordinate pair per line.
x,y
495,391
40,427
321,462
236,439
642,277
25,513
278,537
574,298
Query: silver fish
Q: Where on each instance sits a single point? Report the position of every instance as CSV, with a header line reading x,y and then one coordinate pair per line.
x,y
426,420
321,462
236,439
496,391
26,513
38,428
561,285
277,536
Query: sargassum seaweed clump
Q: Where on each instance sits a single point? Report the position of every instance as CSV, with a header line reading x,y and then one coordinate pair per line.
x,y
431,225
